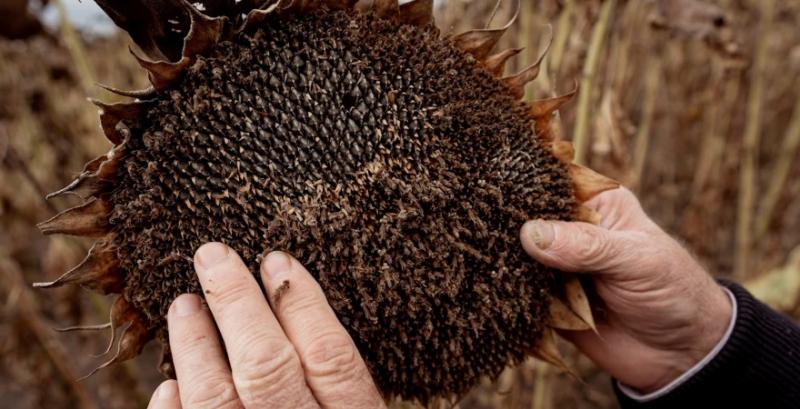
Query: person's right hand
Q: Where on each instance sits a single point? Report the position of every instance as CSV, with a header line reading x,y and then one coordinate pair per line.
x,y
662,312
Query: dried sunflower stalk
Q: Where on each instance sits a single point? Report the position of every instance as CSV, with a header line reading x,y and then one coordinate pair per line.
x,y
397,165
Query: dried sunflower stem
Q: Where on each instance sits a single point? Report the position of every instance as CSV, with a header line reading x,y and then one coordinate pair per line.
x,y
30,317
563,28
749,164
791,143
652,85
629,16
525,32
580,139
541,391
713,141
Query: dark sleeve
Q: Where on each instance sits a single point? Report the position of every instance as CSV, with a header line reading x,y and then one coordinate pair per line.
x,y
759,366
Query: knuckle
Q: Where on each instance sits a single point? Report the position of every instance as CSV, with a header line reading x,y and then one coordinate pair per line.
x,y
189,343
267,365
230,291
300,303
625,195
592,247
332,356
638,253
212,394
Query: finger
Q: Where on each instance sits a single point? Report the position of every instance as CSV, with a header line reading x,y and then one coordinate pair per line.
x,y
576,247
204,377
334,369
166,396
266,369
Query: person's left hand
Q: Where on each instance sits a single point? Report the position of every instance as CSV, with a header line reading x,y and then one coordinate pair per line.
x,y
289,353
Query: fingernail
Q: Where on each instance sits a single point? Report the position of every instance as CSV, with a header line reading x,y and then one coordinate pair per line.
x,y
186,305
276,264
541,233
210,254
167,391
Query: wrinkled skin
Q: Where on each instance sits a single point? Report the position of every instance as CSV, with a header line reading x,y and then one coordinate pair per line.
x,y
663,312
290,352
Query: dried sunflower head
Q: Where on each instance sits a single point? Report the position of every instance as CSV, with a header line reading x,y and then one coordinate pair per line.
x,y
398,166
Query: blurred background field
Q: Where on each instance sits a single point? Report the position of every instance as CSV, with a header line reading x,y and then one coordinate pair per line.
x,y
693,104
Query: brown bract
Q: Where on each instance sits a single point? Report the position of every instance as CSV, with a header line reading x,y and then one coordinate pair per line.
x,y
396,165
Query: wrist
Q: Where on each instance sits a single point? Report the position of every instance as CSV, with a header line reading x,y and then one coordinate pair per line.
x,y
703,340
716,315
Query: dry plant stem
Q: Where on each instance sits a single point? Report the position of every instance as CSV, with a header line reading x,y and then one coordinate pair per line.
x,y
496,8
73,43
783,166
526,40
711,139
29,316
718,133
563,28
581,137
749,164
652,85
541,390
630,15
503,388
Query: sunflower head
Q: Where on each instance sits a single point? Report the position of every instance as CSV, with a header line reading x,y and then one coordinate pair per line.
x,y
397,165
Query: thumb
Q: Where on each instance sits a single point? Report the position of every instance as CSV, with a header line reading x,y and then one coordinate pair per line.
x,y
573,246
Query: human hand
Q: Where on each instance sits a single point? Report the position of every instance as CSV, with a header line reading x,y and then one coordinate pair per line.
x,y
289,353
662,313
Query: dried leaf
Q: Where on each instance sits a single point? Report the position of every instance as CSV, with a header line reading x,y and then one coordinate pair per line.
x,y
577,301
132,341
112,114
563,150
496,63
89,219
546,107
146,93
163,74
99,271
588,215
96,175
480,42
518,82
547,350
386,8
562,317
204,32
417,12
589,183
